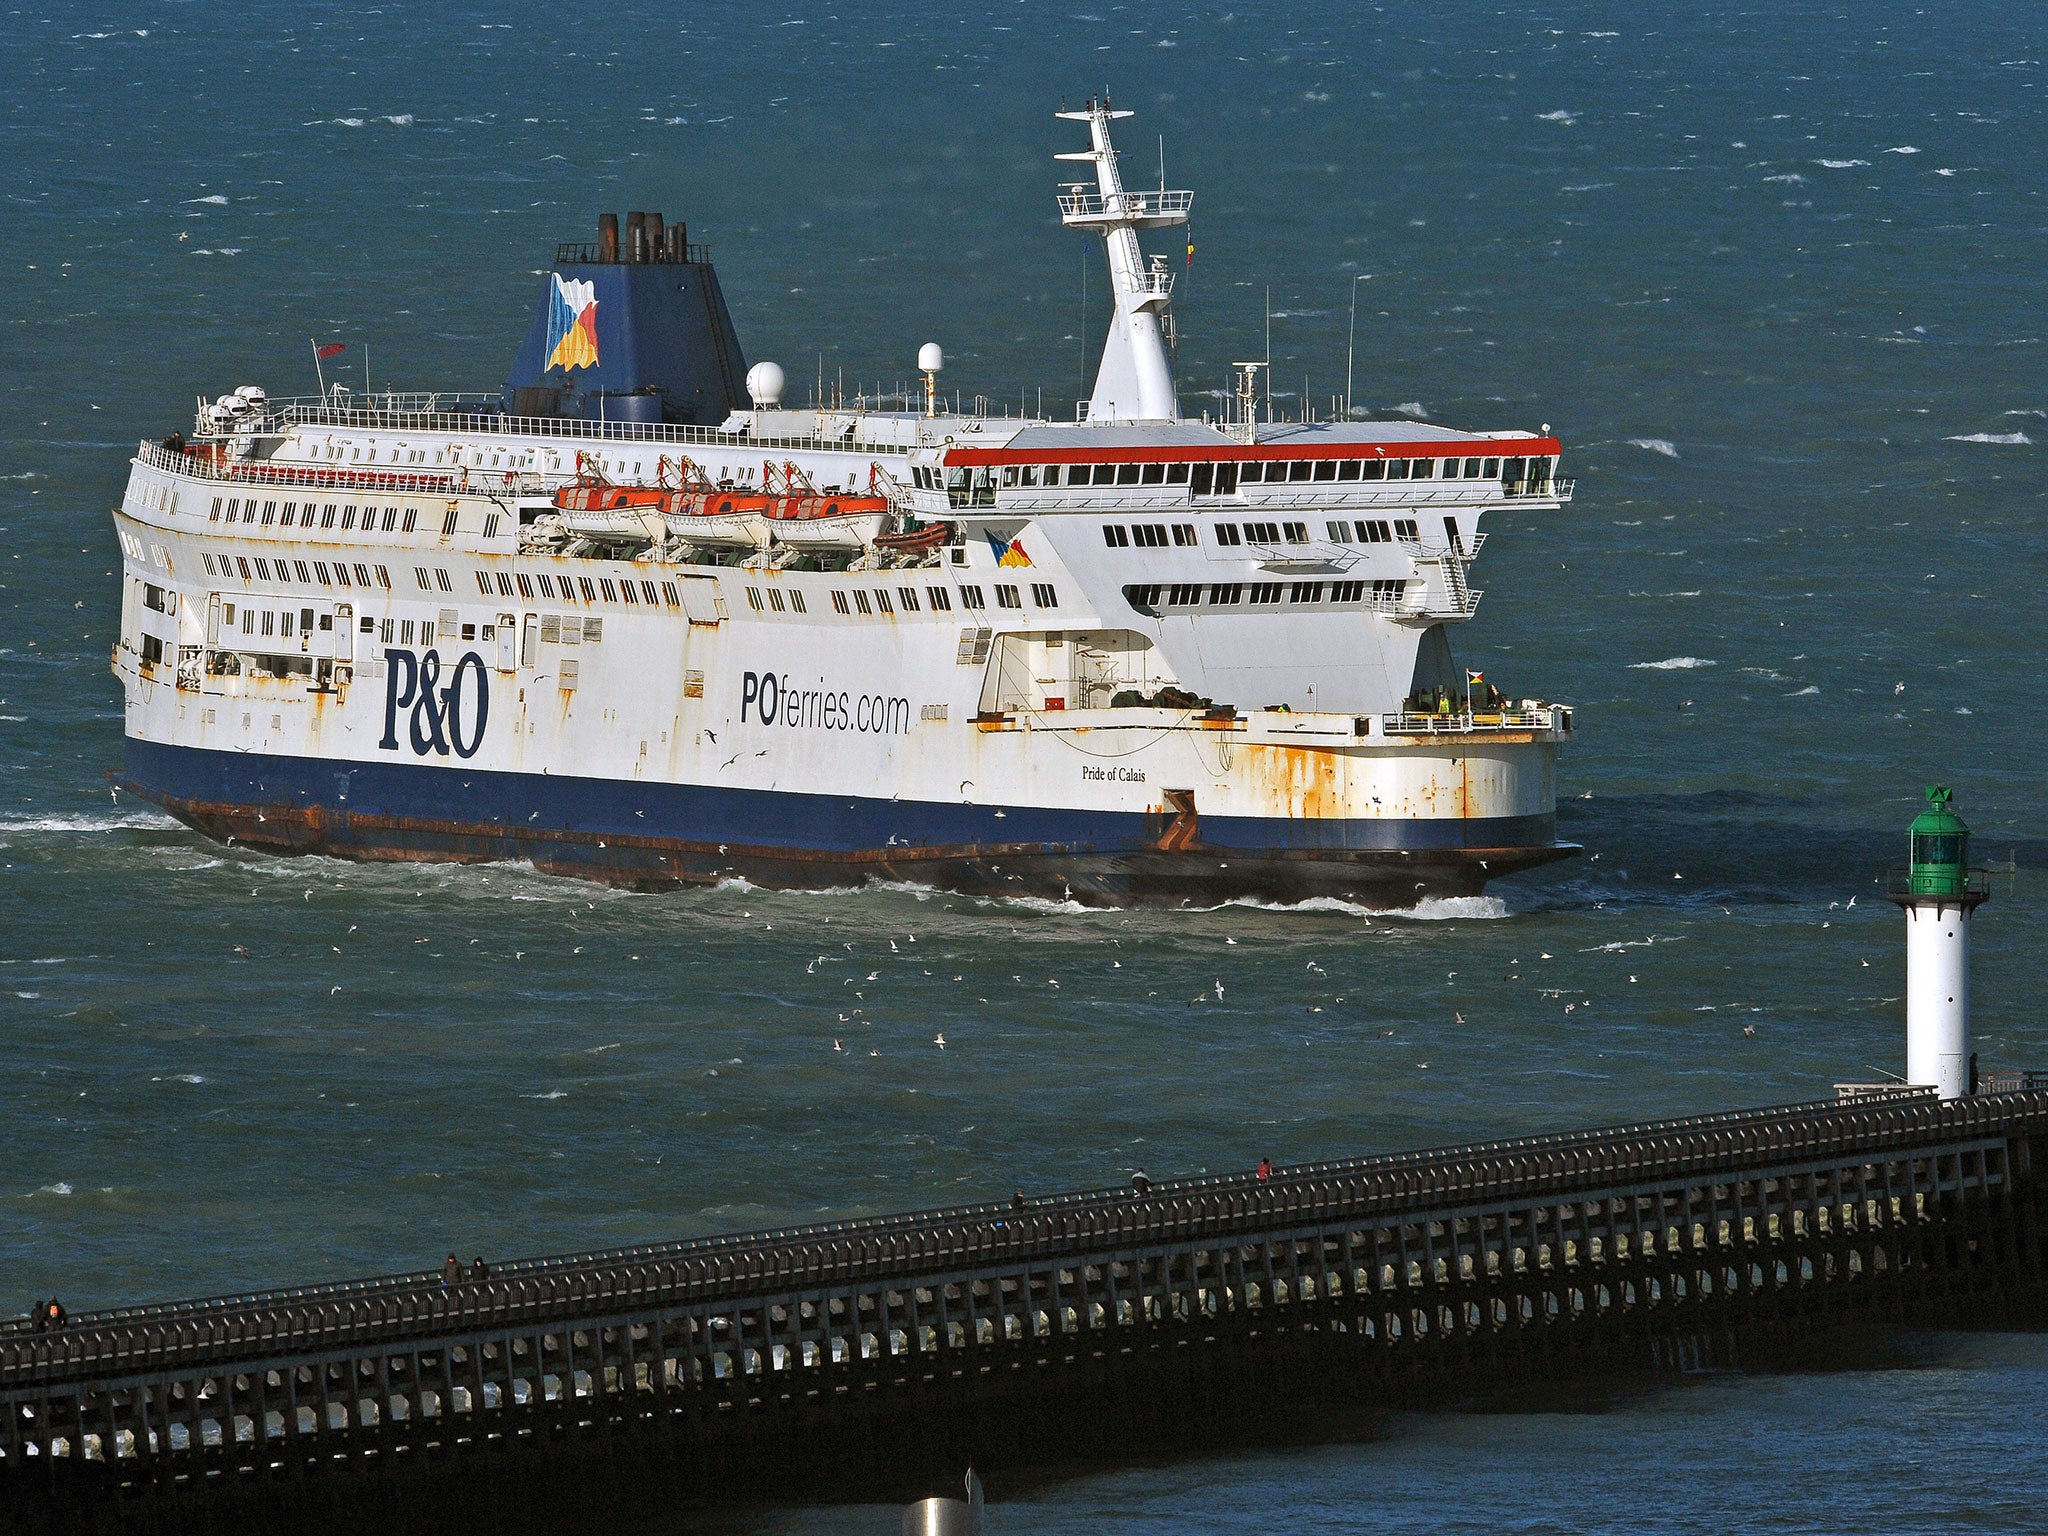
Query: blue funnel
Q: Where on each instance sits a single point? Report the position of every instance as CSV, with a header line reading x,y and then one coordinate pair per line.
x,y
620,339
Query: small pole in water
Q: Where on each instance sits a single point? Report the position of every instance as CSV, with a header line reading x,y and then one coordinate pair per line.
x,y
1938,893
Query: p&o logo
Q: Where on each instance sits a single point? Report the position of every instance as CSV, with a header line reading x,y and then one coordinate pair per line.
x,y
439,713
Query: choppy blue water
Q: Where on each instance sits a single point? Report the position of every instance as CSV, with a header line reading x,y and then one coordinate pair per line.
x,y
1775,277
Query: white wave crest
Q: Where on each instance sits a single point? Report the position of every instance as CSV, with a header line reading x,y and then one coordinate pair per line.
x,y
1662,445
1840,165
113,821
556,1093
399,119
1443,909
1413,408
1559,116
215,198
1672,664
58,1188
2004,439
1810,688
1903,149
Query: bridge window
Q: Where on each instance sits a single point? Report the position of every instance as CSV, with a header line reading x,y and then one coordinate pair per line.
x,y
610,593
1307,592
1144,597
1347,591
214,515
754,598
908,597
970,597
1184,594
411,519
1007,596
1223,593
860,601
1348,470
1262,533
1043,594
1115,536
483,583
796,601
1339,532
1152,474
1265,592
1226,534
1150,535
1184,533
1422,469
1127,474
1251,474
1374,469
942,601
589,592
671,594
1326,469
840,605
1297,533
774,598
882,602
1298,470
1404,528
383,578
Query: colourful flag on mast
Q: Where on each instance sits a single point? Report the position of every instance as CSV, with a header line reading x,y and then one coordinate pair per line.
x,y
333,349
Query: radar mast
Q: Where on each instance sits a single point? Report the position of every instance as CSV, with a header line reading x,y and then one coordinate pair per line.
x,y
1134,381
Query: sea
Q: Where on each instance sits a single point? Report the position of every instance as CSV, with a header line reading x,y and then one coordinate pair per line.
x,y
1775,274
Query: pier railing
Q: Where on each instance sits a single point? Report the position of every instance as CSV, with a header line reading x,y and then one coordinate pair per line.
x,y
397,1306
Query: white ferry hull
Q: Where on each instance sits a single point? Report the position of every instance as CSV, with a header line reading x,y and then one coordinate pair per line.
x,y
653,835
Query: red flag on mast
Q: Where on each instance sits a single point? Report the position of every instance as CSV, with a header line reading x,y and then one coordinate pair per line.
x,y
332,349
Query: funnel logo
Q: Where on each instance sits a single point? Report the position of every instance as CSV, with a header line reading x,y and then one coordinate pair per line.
x,y
572,325
1008,552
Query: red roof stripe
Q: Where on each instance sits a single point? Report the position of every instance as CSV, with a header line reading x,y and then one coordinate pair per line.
x,y
1521,447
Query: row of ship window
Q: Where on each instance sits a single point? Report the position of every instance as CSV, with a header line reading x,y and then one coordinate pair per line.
x,y
968,487
249,509
306,573
625,589
1230,535
1150,597
285,624
870,601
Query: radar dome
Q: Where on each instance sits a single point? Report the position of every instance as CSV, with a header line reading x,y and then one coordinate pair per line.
x,y
764,385
930,358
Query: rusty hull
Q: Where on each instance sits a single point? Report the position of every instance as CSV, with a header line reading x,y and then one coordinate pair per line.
x,y
1176,870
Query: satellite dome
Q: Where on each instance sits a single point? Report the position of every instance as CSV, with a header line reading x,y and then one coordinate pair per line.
x,y
930,358
764,385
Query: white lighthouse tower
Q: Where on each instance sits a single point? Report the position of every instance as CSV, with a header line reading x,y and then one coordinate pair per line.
x,y
1938,892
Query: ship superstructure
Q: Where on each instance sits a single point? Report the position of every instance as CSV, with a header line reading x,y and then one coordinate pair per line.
x,y
617,622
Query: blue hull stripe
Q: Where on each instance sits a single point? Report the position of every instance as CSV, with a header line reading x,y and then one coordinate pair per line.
x,y
482,801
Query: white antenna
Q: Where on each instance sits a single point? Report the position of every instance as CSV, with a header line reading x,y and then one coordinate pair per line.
x,y
1248,401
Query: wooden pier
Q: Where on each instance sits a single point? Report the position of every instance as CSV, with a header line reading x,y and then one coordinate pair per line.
x,y
866,1357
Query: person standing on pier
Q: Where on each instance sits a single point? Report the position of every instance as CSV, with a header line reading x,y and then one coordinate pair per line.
x,y
1265,1169
1140,1183
451,1272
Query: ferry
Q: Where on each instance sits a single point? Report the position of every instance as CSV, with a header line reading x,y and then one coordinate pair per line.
x,y
632,618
